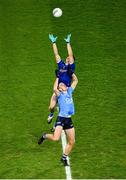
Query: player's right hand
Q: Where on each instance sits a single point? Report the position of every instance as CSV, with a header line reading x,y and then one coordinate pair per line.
x,y
52,38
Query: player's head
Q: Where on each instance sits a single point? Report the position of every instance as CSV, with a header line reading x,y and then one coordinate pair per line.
x,y
62,87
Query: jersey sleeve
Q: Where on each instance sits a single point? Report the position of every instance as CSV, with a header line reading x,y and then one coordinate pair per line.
x,y
60,64
72,67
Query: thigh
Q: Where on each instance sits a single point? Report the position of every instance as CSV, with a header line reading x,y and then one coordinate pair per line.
x,y
58,131
70,134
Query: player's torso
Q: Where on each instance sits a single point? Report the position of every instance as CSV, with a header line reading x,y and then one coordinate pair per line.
x,y
64,72
64,76
66,105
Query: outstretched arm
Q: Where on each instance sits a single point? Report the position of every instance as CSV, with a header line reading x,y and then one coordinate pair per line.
x,y
75,81
55,87
69,49
70,53
55,49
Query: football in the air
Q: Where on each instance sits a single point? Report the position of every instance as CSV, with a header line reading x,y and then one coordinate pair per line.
x,y
57,12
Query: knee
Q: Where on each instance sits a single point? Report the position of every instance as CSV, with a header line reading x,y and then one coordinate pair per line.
x,y
56,138
72,142
51,108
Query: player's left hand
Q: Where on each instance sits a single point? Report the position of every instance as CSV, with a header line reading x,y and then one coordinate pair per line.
x,y
52,38
67,39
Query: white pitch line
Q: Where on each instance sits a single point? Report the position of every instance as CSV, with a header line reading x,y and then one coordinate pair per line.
x,y
67,168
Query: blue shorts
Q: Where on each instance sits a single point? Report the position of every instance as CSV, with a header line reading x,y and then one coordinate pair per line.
x,y
66,123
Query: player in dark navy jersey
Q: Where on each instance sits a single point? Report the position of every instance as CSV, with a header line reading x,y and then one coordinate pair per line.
x,y
64,72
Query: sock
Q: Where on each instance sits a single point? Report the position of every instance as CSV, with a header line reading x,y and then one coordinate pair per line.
x,y
51,114
64,156
44,136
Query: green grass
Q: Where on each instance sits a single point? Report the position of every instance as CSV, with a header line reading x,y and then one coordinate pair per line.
x,y
26,80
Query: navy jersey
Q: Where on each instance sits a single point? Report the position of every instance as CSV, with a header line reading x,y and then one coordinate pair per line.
x,y
64,72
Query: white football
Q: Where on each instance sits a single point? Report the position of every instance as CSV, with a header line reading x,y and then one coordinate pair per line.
x,y
57,12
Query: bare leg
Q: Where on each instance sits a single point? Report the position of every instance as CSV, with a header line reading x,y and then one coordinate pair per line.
x,y
53,137
52,105
71,140
56,135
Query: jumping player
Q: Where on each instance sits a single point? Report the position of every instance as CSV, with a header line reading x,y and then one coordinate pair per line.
x,y
65,70
64,121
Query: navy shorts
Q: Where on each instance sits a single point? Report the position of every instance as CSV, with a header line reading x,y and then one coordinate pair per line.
x,y
66,123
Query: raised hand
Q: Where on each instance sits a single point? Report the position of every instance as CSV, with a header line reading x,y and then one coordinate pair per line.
x,y
67,39
52,38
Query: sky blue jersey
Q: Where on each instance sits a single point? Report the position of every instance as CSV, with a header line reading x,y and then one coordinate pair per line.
x,y
65,102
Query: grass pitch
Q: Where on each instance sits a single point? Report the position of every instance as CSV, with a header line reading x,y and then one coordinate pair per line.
x,y
26,79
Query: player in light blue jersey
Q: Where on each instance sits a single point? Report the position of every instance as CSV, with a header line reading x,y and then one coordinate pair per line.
x,y
65,102
65,70
64,121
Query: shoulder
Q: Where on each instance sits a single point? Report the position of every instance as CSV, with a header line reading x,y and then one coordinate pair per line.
x,y
60,64
60,61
